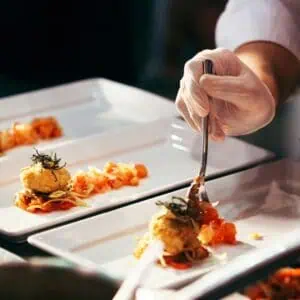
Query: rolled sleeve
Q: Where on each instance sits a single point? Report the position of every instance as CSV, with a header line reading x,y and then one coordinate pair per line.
x,y
244,21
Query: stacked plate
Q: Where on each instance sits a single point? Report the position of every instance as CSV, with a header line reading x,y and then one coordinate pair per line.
x,y
260,201
106,121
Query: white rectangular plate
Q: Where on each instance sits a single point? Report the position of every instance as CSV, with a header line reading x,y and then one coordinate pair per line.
x,y
9,257
167,147
169,294
262,200
85,107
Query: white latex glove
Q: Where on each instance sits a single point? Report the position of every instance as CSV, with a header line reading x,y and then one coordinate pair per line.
x,y
240,103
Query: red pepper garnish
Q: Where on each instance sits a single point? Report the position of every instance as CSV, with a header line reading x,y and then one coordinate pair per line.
x,y
170,261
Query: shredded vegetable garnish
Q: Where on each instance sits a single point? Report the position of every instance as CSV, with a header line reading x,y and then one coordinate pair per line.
x,y
81,186
29,133
256,236
113,176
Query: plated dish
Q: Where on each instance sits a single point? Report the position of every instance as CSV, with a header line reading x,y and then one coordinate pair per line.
x,y
82,108
21,134
110,249
167,147
86,107
186,227
48,185
252,201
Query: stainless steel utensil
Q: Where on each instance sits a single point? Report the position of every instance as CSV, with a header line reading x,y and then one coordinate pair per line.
x,y
132,282
197,190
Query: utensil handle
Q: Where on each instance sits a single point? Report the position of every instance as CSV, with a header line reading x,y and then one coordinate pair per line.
x,y
131,283
207,69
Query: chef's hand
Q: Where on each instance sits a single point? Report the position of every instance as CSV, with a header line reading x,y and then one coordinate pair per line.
x,y
237,101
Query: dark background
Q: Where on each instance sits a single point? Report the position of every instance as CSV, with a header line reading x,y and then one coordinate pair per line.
x,y
139,42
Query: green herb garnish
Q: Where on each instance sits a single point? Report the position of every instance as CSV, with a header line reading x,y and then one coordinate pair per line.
x,y
50,162
182,209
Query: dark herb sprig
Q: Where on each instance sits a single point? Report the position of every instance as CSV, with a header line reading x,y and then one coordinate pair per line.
x,y
50,162
182,209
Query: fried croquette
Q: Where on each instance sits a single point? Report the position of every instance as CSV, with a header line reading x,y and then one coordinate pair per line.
x,y
39,179
173,232
182,224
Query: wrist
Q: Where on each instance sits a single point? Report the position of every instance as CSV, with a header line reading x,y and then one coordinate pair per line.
x,y
265,72
275,65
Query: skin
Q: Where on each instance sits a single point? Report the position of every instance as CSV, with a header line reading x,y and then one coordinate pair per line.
x,y
274,65
278,68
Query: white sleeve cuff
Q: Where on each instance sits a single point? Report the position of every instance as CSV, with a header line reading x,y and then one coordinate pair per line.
x,y
259,20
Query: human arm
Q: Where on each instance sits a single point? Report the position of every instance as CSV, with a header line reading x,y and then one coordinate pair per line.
x,y
276,66
260,73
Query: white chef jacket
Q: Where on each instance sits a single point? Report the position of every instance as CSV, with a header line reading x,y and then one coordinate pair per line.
x,y
277,21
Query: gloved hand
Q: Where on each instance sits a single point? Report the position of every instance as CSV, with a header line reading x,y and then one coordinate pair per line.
x,y
237,101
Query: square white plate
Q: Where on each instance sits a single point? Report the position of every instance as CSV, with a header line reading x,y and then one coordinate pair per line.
x,y
85,107
263,200
169,149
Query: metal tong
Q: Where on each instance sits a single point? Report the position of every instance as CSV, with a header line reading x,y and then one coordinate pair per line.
x,y
197,190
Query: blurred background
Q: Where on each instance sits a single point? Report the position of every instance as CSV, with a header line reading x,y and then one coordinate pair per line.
x,y
140,43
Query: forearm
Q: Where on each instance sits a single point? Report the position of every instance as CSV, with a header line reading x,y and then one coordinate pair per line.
x,y
274,65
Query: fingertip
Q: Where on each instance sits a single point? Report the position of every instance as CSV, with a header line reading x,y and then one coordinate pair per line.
x,y
196,129
221,138
179,104
217,134
203,113
189,121
196,102
218,138
178,95
194,125
186,114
